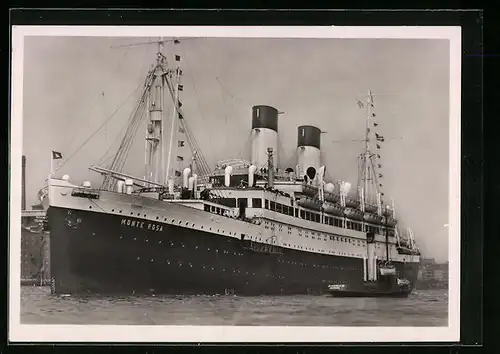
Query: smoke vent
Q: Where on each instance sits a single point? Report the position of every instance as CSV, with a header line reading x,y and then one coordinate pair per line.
x,y
308,151
264,135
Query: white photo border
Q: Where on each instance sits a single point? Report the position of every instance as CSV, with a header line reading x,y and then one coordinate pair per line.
x,y
210,334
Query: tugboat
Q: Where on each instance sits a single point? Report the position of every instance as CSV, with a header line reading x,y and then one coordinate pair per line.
x,y
388,284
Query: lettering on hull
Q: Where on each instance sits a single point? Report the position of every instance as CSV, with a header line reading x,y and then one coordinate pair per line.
x,y
141,225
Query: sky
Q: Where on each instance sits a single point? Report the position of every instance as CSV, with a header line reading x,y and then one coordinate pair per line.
x,y
73,84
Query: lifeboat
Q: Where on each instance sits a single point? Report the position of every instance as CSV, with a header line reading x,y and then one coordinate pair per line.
x,y
390,221
332,198
309,190
309,203
370,208
333,209
387,211
351,203
407,251
353,214
373,218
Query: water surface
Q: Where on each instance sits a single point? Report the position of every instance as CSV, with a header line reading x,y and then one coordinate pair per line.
x,y
421,308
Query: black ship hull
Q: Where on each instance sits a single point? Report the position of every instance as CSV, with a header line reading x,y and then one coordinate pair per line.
x,y
99,253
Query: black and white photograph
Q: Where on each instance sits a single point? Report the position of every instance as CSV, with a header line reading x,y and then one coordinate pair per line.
x,y
256,184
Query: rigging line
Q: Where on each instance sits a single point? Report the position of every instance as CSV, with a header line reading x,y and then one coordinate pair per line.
x,y
375,176
75,131
125,154
117,69
126,143
192,138
184,53
231,95
122,153
133,117
225,113
96,131
246,146
128,140
131,134
234,100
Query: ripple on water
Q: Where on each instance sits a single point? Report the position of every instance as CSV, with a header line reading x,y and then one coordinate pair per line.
x,y
423,308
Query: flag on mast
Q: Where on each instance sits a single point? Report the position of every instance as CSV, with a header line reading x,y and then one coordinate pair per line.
x,y
56,155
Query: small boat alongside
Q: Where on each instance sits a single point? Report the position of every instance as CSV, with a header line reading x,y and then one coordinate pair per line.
x,y
388,284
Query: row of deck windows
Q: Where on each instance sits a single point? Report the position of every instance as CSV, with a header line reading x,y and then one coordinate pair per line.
x,y
316,217
295,212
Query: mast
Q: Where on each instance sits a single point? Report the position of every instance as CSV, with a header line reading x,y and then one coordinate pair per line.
x,y
175,114
161,80
367,148
154,135
162,141
368,184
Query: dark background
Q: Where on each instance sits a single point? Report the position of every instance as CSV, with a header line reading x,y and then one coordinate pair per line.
x,y
472,163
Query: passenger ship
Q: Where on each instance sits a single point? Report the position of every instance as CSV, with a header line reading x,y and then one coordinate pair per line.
x,y
245,228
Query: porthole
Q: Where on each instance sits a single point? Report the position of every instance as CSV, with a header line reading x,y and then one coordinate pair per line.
x,y
119,211
173,220
144,215
112,210
90,206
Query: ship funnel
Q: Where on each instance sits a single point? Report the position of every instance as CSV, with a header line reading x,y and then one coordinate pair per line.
x,y
227,175
185,175
264,135
251,175
308,151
